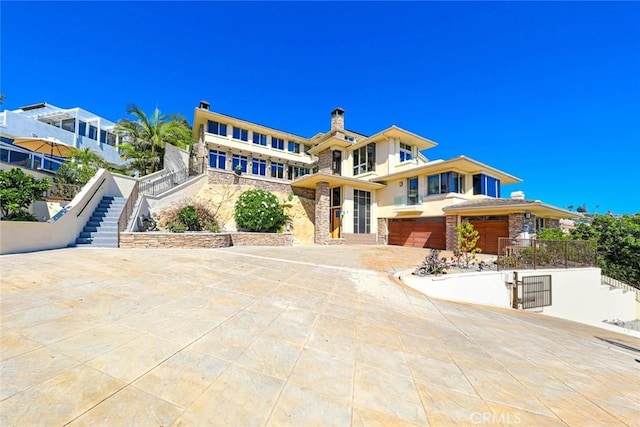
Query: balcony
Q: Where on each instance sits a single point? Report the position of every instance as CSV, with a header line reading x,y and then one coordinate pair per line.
x,y
411,203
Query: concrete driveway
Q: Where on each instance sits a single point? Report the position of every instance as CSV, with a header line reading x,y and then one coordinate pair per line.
x,y
299,336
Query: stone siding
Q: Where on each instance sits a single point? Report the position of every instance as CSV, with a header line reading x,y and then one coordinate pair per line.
x,y
324,161
516,224
451,232
231,178
202,240
360,239
174,240
322,226
383,231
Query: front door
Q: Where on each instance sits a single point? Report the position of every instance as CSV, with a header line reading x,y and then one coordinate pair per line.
x,y
335,222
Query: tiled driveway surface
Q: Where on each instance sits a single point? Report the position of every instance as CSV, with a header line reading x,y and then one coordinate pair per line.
x,y
286,336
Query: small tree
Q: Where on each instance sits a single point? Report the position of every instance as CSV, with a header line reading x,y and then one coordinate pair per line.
x,y
17,192
467,240
259,210
79,168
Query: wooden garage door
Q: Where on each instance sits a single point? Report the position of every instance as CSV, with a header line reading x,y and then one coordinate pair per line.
x,y
418,232
490,228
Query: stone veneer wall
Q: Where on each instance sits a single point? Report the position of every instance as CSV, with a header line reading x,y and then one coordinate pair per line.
x,y
451,232
322,226
383,231
360,239
517,223
324,161
230,178
202,240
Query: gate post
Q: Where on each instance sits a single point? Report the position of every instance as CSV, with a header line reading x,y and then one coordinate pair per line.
x,y
514,298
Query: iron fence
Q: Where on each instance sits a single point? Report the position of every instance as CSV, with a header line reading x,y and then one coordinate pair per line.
x,y
527,254
164,183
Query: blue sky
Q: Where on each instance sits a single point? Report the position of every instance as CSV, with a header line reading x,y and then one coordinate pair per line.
x,y
549,91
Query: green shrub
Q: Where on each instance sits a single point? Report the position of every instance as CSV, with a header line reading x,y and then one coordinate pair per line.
x,y
21,216
259,210
189,218
177,227
541,256
552,234
17,192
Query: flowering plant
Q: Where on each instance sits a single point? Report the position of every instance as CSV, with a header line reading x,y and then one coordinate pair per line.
x,y
259,210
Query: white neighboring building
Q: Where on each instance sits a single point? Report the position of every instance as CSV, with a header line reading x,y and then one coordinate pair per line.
x,y
72,126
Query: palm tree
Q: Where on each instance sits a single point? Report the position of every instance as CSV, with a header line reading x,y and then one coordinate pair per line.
x,y
146,136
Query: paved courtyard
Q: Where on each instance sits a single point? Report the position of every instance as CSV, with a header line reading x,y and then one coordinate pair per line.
x,y
296,336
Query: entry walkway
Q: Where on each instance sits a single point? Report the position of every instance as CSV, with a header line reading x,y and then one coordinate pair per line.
x,y
307,335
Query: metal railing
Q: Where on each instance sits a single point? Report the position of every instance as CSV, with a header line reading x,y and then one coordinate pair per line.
x,y
62,191
163,183
527,254
610,281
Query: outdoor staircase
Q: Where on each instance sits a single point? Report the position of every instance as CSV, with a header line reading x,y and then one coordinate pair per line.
x,y
102,228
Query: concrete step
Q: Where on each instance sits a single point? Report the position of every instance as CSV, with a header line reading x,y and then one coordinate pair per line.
x,y
108,227
100,233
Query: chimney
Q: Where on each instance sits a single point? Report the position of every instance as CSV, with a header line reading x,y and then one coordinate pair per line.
x,y
337,119
517,195
204,105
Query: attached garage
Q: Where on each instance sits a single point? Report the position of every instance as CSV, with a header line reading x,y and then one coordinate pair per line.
x,y
489,228
418,232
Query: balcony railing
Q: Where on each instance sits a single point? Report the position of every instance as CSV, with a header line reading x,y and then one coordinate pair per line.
x,y
412,200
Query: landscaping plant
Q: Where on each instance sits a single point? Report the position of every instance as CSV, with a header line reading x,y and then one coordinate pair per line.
x,y
189,215
17,192
259,210
467,241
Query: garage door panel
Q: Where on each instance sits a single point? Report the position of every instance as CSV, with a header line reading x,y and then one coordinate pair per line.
x,y
490,231
419,232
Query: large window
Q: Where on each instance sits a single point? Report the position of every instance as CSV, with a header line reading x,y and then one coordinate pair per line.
x,y
238,160
364,159
217,159
405,152
69,125
216,128
259,138
295,171
412,191
361,211
241,134
447,182
293,147
487,185
336,162
277,170
259,167
82,128
277,143
93,132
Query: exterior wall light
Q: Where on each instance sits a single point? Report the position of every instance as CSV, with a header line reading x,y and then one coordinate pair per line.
x,y
527,215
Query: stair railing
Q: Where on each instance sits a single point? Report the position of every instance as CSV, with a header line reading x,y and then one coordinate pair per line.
x,y
621,285
92,196
123,220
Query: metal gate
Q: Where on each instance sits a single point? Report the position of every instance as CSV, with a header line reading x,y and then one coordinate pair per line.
x,y
536,291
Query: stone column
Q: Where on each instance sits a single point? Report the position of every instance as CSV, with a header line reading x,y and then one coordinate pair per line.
x,y
383,231
516,224
324,161
322,225
451,232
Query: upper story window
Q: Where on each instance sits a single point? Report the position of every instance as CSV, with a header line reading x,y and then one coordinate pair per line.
x,y
259,167
306,149
487,185
406,152
111,139
241,134
277,143
217,159
82,128
277,170
293,147
446,182
103,136
238,160
364,159
259,138
296,171
216,128
349,138
93,132
69,125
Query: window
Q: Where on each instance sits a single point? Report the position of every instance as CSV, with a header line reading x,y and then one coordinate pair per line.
x,y
238,160
306,149
259,138
93,132
69,125
336,162
277,143
293,147
446,182
296,171
539,224
361,211
277,170
412,191
405,152
364,159
103,136
487,185
241,134
217,159
111,139
336,197
259,167
216,128
82,128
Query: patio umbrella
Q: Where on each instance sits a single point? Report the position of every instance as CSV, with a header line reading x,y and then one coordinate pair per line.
x,y
50,146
